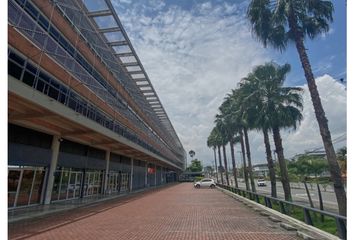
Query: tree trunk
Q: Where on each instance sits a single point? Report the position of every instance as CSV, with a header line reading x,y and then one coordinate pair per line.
x,y
273,181
282,164
216,165
321,119
234,170
248,152
320,200
308,195
225,164
220,166
244,161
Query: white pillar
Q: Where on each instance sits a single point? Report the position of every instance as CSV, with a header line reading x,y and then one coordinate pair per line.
x,y
107,157
52,168
131,174
146,174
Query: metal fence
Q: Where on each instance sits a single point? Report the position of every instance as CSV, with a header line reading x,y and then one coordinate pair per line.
x,y
306,214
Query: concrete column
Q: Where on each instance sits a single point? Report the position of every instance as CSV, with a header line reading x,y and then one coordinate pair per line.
x,y
161,175
52,168
107,158
146,174
155,175
131,174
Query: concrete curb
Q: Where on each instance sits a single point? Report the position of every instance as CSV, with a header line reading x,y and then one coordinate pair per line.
x,y
303,230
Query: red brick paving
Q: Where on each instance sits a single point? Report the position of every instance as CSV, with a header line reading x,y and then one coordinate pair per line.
x,y
177,212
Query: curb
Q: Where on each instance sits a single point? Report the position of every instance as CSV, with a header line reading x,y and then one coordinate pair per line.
x,y
304,230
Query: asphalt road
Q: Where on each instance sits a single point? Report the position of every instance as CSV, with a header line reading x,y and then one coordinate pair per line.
x,y
299,195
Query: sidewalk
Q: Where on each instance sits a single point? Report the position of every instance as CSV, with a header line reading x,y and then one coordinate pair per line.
x,y
175,212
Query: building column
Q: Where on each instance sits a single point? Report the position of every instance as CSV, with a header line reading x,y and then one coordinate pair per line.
x,y
53,166
162,175
106,176
146,174
155,175
131,174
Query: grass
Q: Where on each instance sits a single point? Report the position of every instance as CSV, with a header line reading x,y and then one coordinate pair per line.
x,y
328,225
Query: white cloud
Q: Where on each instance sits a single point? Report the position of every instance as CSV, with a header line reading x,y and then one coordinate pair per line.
x,y
193,58
334,101
330,32
307,135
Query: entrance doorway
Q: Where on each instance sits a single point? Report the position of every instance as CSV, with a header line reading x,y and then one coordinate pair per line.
x,y
117,182
25,186
93,183
67,184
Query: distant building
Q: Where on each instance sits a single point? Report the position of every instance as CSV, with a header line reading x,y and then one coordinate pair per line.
x,y
261,170
321,154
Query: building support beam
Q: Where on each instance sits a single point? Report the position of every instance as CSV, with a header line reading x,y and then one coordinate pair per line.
x,y
131,174
146,174
53,165
155,175
106,176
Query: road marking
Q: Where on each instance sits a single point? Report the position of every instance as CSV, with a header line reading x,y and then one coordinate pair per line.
x,y
315,200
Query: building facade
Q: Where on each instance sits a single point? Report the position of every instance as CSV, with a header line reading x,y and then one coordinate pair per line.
x,y
83,117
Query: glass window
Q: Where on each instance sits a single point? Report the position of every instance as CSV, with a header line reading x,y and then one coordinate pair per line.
x,y
31,10
43,22
25,188
28,78
54,33
14,70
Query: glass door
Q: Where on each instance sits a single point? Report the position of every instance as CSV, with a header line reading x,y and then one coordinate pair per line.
x,y
25,186
13,182
93,182
67,184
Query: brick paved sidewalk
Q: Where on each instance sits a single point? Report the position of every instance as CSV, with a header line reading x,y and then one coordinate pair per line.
x,y
176,212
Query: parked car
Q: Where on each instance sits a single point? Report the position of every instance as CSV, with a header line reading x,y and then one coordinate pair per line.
x,y
205,182
261,182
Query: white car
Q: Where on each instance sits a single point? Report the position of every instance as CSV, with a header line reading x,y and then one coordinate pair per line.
x,y
205,182
261,182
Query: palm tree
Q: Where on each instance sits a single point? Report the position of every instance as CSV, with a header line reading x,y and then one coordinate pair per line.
x,y
251,101
191,153
211,142
218,142
235,125
224,131
245,124
277,106
233,141
278,22
245,168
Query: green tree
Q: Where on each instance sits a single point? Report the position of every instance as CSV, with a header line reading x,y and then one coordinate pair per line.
x,y
274,107
277,23
195,166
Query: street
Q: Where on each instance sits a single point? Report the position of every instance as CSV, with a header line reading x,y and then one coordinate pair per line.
x,y
299,194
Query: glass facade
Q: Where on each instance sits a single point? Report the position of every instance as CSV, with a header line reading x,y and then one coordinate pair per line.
x,y
81,169
25,185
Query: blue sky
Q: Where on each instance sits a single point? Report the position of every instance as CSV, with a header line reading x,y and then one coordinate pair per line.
x,y
195,52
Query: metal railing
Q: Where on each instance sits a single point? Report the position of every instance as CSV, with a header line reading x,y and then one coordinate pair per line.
x,y
292,209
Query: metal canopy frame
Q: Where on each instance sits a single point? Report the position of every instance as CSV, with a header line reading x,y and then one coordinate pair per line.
x,y
115,49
